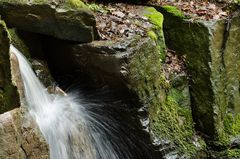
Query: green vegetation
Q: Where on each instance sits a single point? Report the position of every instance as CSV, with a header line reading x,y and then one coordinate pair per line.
x,y
40,1
237,1
76,4
97,7
232,124
233,153
174,123
73,4
174,11
154,16
152,35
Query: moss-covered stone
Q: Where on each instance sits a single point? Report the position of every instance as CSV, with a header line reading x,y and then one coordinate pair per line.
x,y
152,35
174,11
156,18
69,20
171,121
75,4
212,58
8,93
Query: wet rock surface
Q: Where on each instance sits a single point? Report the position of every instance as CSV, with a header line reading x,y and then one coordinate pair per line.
x,y
8,92
20,137
169,93
30,44
136,64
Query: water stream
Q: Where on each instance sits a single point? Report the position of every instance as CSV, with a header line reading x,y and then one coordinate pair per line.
x,y
70,131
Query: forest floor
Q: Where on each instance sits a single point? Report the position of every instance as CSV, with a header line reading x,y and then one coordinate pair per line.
x,y
121,20
200,9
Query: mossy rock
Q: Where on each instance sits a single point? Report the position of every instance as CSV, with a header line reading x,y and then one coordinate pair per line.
x,y
69,20
212,58
171,11
9,98
135,65
156,33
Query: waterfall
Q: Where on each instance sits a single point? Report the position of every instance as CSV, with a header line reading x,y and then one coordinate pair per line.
x,y
70,131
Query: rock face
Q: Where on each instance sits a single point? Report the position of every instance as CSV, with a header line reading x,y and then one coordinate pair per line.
x,y
19,134
26,139
70,20
8,92
20,137
30,45
212,55
136,64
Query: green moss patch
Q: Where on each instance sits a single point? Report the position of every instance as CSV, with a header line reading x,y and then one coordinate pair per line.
x,y
232,124
233,153
154,16
173,122
156,33
174,11
75,4
152,35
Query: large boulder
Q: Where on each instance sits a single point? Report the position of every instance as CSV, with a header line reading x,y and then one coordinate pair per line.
x,y
212,57
8,92
136,64
70,20
20,137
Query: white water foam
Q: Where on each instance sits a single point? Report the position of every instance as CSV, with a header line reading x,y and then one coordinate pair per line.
x,y
65,124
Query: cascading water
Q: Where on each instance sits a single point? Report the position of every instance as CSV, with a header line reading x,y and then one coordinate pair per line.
x,y
70,130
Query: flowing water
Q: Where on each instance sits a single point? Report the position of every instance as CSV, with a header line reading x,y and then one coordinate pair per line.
x,y
70,131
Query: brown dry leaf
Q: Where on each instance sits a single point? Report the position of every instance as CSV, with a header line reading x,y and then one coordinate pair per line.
x,y
118,14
